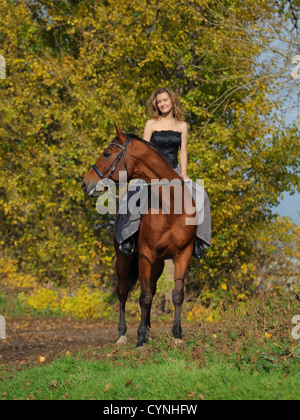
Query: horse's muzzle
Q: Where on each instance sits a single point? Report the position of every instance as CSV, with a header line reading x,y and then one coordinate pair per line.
x,y
85,188
95,191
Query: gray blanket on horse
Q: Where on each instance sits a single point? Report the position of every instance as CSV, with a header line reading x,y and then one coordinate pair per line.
x,y
127,223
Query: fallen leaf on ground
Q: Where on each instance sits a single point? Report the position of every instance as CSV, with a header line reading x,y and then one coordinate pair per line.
x,y
128,382
53,384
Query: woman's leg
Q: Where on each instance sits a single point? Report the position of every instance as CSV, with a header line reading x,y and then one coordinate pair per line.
x,y
201,199
127,224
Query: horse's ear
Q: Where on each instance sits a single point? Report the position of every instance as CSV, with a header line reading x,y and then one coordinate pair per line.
x,y
120,134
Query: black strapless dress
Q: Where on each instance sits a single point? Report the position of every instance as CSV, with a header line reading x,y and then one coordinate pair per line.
x,y
168,143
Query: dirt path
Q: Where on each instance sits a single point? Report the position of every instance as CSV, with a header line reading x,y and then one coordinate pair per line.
x,y
34,341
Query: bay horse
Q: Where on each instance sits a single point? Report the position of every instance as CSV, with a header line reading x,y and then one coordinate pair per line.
x,y
161,236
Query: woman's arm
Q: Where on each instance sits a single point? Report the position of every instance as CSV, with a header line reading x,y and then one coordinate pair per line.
x,y
183,151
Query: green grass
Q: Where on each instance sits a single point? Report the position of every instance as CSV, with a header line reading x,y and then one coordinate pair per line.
x,y
161,371
169,375
10,305
250,355
75,379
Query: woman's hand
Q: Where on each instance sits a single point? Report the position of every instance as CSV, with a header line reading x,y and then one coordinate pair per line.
x,y
185,177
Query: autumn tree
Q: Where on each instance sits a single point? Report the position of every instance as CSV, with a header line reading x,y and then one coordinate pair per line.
x,y
74,68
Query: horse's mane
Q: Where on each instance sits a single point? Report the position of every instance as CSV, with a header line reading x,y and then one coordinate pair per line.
x,y
148,144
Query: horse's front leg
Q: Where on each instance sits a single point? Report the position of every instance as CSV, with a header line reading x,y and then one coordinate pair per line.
x,y
122,294
147,293
178,298
122,270
181,265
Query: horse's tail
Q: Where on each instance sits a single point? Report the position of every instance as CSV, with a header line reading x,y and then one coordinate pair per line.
x,y
133,278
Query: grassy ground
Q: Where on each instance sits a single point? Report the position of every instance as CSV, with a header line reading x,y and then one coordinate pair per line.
x,y
174,379
250,355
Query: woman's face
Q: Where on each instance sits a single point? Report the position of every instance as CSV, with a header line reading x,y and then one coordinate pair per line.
x,y
164,103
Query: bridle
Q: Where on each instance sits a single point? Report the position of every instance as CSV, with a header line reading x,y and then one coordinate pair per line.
x,y
116,162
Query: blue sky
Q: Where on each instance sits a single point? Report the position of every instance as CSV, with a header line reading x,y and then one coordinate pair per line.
x,y
277,57
290,206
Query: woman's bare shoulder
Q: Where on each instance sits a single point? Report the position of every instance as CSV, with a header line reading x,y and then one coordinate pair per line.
x,y
151,123
148,130
183,126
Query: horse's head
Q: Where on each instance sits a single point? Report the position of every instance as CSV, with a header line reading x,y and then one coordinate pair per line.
x,y
108,166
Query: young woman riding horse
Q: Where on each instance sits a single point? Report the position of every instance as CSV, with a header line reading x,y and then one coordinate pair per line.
x,y
168,133
160,236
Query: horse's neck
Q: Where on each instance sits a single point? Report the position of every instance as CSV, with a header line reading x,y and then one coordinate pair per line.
x,y
149,166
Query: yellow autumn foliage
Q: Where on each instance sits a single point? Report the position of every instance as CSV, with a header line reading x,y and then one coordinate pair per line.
x,y
83,304
76,68
41,300
13,278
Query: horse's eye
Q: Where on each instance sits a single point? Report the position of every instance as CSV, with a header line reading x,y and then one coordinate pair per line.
x,y
106,154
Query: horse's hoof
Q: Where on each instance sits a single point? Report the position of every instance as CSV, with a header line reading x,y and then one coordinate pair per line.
x,y
140,348
178,341
122,340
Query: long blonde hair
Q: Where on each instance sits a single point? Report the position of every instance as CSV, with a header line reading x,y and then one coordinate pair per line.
x,y
155,113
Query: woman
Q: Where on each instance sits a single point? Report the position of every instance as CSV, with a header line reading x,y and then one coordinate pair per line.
x,y
168,133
